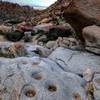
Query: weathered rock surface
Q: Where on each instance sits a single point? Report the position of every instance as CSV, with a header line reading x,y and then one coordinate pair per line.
x,y
96,83
64,74
5,29
37,79
75,61
91,35
12,50
66,42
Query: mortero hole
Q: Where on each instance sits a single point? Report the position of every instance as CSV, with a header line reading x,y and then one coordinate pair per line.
x,y
52,88
76,96
37,76
30,93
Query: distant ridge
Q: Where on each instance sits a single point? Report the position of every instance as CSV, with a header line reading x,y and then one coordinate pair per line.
x,y
10,10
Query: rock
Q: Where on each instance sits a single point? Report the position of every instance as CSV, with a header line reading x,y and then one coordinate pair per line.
x,y
44,21
42,38
43,52
29,78
75,61
52,45
88,74
96,83
24,26
2,39
80,13
35,39
91,35
27,36
34,50
18,49
44,27
5,29
68,43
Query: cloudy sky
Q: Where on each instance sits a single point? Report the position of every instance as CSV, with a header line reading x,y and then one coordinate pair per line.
x,y
33,2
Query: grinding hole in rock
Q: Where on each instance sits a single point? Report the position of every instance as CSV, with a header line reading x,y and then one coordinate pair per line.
x,y
30,93
76,96
37,76
52,88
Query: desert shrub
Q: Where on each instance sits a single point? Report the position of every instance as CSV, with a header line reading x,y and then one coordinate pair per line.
x,y
14,36
54,33
41,32
1,33
33,33
55,21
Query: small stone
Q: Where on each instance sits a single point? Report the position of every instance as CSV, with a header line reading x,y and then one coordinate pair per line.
x,y
88,74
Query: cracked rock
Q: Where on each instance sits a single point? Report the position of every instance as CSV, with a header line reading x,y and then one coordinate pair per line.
x,y
75,61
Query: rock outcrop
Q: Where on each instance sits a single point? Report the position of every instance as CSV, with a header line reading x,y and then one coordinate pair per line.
x,y
63,71
81,13
29,78
78,13
91,36
9,11
5,29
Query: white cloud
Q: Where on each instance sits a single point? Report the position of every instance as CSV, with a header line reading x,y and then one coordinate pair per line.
x,y
33,2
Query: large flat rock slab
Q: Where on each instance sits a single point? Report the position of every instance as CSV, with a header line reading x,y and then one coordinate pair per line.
x,y
75,61
38,78
91,36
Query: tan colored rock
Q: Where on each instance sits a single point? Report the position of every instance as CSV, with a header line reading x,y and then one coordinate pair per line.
x,y
67,42
35,39
2,39
52,45
5,29
43,52
24,26
45,20
44,27
88,74
91,35
81,13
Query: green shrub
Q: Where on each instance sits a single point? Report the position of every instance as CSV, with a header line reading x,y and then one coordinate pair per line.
x,y
14,36
33,33
58,20
1,33
41,32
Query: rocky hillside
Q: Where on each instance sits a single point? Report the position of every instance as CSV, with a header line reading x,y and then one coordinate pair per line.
x,y
51,11
78,13
15,11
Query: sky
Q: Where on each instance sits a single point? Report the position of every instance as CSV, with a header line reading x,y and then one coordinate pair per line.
x,y
45,3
